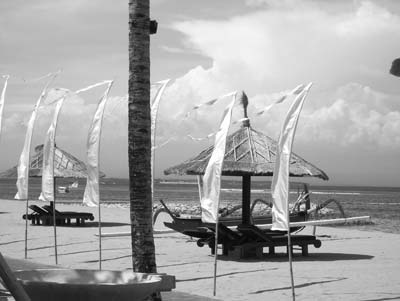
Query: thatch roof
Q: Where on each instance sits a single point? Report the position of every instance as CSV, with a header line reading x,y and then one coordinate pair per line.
x,y
65,165
248,152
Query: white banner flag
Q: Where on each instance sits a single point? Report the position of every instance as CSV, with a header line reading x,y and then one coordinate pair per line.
x,y
211,183
48,154
154,110
280,180
2,99
92,195
23,163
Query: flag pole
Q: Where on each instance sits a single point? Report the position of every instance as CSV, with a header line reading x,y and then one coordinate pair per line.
x,y
26,229
280,180
23,177
215,256
100,258
54,220
290,255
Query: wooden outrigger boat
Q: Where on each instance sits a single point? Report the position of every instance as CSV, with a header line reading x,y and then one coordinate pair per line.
x,y
193,226
205,233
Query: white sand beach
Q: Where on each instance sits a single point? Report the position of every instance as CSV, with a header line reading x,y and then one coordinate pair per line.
x,y
350,265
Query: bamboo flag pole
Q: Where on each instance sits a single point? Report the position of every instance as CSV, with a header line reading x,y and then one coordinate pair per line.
x,y
26,229
290,254
215,257
100,248
49,180
211,184
23,163
91,195
280,180
55,222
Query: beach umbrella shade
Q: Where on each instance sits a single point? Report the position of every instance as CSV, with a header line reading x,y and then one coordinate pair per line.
x,y
248,153
65,165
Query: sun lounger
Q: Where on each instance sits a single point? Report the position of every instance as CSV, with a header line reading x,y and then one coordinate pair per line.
x,y
67,216
257,239
44,216
39,216
226,237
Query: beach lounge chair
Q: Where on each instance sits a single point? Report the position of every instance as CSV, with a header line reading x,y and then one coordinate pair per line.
x,y
67,216
39,216
256,239
226,237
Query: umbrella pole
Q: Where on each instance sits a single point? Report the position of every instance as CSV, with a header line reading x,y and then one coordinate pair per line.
x,y
54,221
26,229
215,256
100,258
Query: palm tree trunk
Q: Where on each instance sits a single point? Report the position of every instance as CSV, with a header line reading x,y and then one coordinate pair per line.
x,y
139,138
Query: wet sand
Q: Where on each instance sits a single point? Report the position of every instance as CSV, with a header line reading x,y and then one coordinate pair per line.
x,y
350,265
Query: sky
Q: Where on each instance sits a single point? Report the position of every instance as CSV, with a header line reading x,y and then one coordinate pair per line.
x,y
350,123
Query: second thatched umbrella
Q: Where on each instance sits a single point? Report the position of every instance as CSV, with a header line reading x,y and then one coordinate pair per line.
x,y
65,166
248,153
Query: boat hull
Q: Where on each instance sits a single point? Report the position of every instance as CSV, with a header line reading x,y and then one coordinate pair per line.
x,y
87,285
194,227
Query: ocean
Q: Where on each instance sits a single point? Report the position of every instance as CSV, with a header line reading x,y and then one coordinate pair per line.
x,y
381,203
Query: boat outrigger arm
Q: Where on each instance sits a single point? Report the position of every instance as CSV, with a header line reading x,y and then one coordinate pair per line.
x,y
321,222
294,224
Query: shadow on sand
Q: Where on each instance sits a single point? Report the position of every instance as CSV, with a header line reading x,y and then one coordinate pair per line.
x,y
224,275
297,286
297,257
95,225
383,299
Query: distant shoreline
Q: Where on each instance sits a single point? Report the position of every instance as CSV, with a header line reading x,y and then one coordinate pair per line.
x,y
237,180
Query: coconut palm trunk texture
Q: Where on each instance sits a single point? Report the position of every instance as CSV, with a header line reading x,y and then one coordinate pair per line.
x,y
139,138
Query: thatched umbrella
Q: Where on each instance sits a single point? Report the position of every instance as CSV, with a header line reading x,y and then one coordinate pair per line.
x,y
248,153
65,165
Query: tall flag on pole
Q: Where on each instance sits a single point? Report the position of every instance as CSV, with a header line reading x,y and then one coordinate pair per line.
x,y
48,154
211,182
2,99
92,196
280,180
23,163
154,110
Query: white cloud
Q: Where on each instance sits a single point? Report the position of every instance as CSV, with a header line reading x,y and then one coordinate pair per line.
x,y
276,47
281,46
358,117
